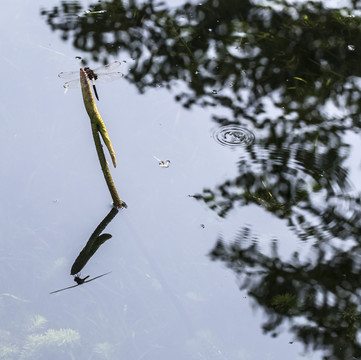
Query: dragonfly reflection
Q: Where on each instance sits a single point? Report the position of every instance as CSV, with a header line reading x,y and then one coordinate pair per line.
x,y
102,74
80,281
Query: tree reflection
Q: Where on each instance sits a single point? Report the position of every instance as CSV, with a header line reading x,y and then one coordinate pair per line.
x,y
228,52
291,73
319,298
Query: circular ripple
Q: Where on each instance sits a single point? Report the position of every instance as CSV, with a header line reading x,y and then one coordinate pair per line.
x,y
233,135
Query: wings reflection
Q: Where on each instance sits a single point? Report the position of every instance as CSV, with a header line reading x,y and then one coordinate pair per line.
x,y
80,281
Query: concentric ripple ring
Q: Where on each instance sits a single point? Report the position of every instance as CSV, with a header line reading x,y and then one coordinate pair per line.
x,y
233,135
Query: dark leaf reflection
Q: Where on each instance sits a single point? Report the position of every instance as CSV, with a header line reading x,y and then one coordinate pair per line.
x,y
290,73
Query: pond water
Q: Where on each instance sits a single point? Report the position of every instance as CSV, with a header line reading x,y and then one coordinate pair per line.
x,y
246,245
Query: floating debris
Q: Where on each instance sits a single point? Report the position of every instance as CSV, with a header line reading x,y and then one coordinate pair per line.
x,y
164,164
89,12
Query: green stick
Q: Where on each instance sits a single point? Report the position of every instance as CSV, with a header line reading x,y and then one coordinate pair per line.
x,y
98,126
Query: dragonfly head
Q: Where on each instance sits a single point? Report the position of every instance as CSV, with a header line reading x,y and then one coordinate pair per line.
x,y
90,74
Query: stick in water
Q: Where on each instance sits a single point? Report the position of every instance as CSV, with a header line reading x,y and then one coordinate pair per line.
x,y
98,126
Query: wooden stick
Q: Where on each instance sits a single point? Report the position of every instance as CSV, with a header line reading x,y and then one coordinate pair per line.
x,y
98,126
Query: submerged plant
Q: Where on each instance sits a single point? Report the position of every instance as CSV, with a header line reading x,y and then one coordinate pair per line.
x,y
37,322
284,303
104,350
29,343
51,338
9,351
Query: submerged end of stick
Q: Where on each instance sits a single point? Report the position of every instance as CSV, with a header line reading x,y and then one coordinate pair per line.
x,y
120,204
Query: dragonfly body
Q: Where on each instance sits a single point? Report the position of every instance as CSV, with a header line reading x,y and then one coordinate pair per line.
x,y
92,76
103,74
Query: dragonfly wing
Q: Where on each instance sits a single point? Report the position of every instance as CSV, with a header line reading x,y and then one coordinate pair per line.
x,y
69,74
53,292
107,68
72,84
105,78
104,75
97,277
102,69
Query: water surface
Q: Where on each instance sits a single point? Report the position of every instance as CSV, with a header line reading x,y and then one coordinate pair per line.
x,y
246,246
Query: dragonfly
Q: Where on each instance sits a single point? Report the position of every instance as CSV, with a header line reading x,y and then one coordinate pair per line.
x,y
80,281
103,74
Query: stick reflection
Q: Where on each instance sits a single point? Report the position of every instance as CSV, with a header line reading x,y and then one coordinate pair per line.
x,y
93,244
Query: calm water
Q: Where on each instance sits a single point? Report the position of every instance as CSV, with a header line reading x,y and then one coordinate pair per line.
x,y
246,247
